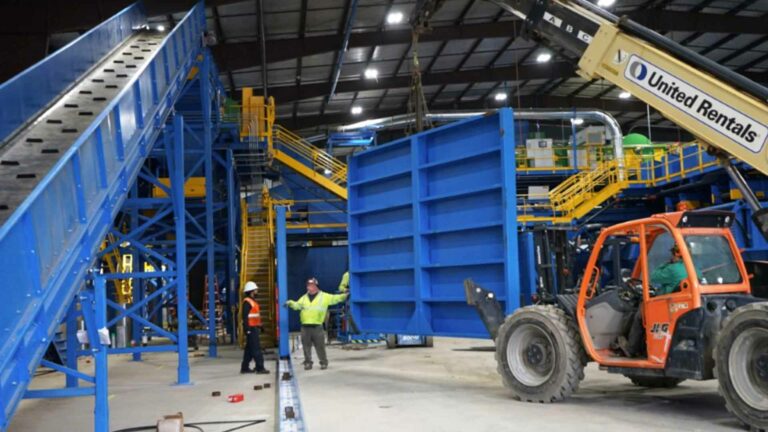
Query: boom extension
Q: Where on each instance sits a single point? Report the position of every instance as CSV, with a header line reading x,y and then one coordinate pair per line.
x,y
717,105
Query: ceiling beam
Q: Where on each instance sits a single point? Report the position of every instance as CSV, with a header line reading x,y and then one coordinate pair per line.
x,y
240,55
667,20
286,94
481,104
548,71
233,56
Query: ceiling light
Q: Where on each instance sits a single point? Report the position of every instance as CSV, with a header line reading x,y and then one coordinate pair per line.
x,y
500,96
625,95
356,110
394,17
543,57
327,172
605,3
371,73
161,28
577,121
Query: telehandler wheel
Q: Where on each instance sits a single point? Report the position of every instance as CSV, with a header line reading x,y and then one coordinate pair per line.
x,y
654,382
741,364
539,354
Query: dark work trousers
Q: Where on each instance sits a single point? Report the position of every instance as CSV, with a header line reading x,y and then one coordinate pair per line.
x,y
636,333
313,335
252,350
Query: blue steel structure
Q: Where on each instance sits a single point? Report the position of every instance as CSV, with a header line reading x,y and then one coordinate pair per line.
x,y
426,211
102,183
429,211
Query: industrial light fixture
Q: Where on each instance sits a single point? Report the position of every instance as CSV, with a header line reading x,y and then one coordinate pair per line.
x,y
500,96
327,172
605,3
543,57
394,17
161,28
625,95
577,121
356,110
371,73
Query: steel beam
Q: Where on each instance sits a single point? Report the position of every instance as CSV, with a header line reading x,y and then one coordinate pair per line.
x,y
282,280
239,55
286,94
233,56
525,102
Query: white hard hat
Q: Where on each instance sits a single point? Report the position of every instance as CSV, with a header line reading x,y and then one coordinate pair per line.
x,y
250,286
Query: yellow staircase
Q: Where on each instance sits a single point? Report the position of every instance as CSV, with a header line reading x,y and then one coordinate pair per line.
x,y
258,265
257,125
308,160
582,192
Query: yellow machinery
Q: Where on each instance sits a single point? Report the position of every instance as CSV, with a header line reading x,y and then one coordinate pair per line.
x,y
725,111
194,187
118,263
257,124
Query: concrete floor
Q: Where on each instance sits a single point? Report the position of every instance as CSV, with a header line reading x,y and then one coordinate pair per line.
x,y
454,387
451,387
142,392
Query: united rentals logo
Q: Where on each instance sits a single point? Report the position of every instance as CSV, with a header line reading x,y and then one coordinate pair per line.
x,y
713,113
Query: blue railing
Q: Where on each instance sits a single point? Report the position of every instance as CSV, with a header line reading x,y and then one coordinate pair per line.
x,y
51,239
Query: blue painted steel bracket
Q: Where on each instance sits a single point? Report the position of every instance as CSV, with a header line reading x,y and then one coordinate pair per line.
x,y
427,212
50,240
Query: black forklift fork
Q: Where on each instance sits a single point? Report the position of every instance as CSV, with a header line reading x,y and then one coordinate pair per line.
x,y
488,307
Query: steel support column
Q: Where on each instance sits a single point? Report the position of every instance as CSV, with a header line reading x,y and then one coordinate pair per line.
x,y
205,96
177,194
282,280
232,214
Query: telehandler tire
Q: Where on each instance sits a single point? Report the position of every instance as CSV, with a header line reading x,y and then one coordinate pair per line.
x,y
540,355
741,364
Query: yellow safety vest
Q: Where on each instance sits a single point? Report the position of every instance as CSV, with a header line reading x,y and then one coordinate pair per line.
x,y
313,312
254,316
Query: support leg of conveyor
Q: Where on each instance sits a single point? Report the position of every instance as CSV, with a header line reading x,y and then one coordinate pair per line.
x,y
176,168
97,306
72,344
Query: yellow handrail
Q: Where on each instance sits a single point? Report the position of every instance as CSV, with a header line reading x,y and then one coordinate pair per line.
x,y
335,170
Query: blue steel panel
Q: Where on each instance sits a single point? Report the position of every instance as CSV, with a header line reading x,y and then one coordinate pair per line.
x,y
426,213
32,90
49,241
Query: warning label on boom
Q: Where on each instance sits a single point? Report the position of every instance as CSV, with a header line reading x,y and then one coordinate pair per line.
x,y
708,110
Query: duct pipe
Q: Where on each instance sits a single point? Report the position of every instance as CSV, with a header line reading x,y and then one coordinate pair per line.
x,y
596,115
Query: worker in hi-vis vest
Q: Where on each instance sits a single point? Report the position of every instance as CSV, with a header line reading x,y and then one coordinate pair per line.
x,y
252,327
313,306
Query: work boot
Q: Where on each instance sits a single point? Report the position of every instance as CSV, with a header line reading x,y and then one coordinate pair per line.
x,y
323,366
246,371
308,366
262,372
